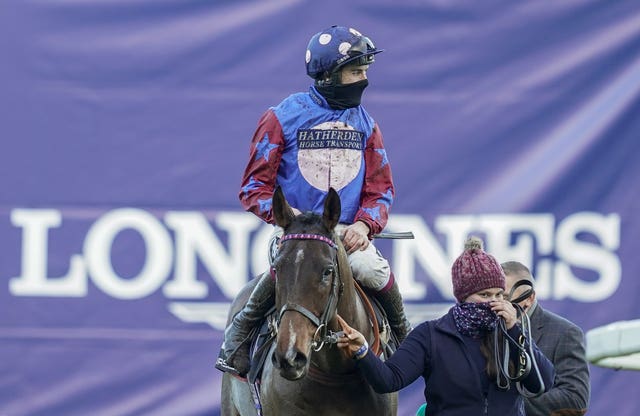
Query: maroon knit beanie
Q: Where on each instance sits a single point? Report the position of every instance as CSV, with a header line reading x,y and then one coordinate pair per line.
x,y
475,270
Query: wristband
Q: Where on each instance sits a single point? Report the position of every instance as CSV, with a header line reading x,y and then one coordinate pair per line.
x,y
362,351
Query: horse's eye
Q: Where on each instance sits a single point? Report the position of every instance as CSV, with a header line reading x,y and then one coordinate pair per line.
x,y
328,272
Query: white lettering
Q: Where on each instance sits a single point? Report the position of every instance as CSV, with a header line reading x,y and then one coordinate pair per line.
x,y
521,237
574,259
157,262
193,239
579,253
33,280
194,236
531,234
426,250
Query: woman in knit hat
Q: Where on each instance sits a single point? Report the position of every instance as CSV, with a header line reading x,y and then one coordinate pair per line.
x,y
457,355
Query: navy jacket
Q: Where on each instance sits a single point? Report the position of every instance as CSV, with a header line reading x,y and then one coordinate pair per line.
x,y
436,351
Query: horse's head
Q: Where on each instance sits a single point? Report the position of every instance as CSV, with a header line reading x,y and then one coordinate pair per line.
x,y
308,283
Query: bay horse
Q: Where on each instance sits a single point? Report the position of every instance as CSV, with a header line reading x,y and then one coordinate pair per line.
x,y
305,374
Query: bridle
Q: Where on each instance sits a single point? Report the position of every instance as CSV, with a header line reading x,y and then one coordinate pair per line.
x,y
323,334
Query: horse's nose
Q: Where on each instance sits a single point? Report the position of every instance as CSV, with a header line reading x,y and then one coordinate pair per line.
x,y
291,364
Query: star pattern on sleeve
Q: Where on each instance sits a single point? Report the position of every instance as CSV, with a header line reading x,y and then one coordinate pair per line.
x,y
386,199
253,184
373,212
265,204
264,147
383,153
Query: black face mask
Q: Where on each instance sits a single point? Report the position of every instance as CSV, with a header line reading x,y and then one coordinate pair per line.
x,y
341,97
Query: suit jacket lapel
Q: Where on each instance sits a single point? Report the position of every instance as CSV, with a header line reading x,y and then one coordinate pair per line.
x,y
537,324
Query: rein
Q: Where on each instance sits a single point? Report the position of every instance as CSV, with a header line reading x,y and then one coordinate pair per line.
x,y
526,360
375,348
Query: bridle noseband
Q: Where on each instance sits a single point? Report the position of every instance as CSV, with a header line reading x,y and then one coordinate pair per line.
x,y
323,334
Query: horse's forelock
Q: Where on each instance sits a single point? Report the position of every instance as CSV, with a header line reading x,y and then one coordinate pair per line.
x,y
308,222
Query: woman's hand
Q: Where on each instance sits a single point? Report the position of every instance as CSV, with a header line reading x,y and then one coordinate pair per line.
x,y
505,310
351,340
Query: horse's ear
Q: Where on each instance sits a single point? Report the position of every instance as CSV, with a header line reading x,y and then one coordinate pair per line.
x,y
332,209
282,212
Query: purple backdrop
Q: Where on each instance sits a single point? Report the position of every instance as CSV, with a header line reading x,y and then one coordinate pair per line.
x,y
125,129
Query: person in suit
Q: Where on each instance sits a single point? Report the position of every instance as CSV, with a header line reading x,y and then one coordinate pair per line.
x,y
561,341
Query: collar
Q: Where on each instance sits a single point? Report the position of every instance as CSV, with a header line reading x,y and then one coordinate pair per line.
x,y
447,325
532,309
317,97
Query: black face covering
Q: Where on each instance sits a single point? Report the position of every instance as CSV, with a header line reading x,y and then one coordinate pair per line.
x,y
341,97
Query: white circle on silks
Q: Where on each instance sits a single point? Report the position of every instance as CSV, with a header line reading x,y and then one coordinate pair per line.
x,y
616,345
330,167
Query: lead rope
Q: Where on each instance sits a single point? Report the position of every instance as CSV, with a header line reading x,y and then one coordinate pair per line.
x,y
527,340
526,359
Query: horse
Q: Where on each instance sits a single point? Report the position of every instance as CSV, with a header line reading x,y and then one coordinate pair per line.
x,y
305,373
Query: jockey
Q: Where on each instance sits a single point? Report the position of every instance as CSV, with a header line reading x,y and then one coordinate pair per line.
x,y
308,143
